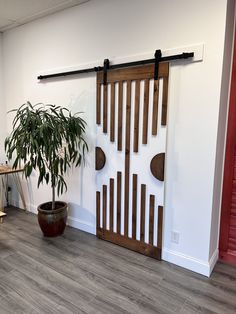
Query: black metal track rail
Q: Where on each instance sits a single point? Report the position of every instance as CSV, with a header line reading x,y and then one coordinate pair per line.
x,y
184,55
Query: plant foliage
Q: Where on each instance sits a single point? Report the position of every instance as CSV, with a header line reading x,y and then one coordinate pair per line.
x,y
48,138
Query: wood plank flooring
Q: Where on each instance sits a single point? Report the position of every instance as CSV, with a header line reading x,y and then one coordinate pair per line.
x,y
78,273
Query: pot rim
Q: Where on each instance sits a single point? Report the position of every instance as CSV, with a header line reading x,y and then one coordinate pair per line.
x,y
52,211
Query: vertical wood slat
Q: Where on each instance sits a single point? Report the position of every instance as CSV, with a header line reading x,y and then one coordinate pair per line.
x,y
160,226
142,210
104,205
118,200
120,116
112,113
98,107
98,209
127,159
136,115
104,108
134,206
164,101
145,111
111,203
151,218
155,107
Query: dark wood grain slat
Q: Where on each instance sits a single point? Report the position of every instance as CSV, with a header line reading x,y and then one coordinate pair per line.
x,y
134,206
104,205
127,159
132,244
151,218
164,101
142,211
145,111
111,200
134,73
155,107
98,107
112,113
105,108
118,201
136,115
120,116
98,206
160,227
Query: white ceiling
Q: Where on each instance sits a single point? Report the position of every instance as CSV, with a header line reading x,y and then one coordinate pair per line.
x,y
17,12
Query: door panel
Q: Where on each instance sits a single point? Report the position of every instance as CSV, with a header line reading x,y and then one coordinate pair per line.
x,y
131,131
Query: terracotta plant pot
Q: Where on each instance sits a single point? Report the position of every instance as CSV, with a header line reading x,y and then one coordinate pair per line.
x,y
52,222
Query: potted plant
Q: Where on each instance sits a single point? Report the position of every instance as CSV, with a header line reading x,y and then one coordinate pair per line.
x,y
49,139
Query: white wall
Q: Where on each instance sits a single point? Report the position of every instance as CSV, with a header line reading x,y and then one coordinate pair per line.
x,y
116,29
2,108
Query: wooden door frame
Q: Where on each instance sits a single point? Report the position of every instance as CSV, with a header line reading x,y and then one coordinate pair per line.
x,y
228,167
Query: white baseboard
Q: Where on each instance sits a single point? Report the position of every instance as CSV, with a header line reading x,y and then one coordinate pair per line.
x,y
81,225
71,221
32,209
213,260
18,203
191,263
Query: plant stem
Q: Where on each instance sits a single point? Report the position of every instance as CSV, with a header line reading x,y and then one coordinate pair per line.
x,y
53,197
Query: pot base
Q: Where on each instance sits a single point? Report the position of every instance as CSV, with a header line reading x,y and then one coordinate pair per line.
x,y
52,222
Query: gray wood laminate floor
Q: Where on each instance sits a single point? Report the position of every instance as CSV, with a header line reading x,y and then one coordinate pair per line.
x,y
77,273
